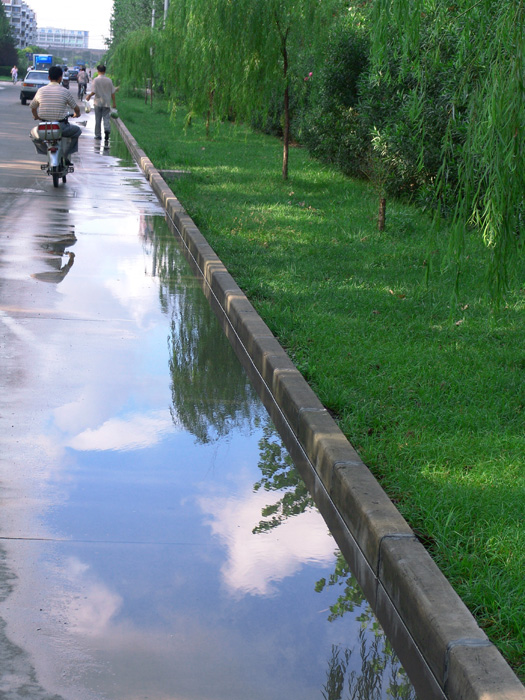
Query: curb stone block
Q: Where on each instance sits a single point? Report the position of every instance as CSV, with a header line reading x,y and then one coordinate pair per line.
x,y
236,306
323,441
431,609
293,395
265,352
220,281
476,673
252,328
203,255
366,509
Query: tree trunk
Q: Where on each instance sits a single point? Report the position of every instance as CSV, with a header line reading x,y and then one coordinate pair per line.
x,y
209,115
381,219
149,90
286,134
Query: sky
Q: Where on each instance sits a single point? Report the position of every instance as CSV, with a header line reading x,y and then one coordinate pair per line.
x,y
92,16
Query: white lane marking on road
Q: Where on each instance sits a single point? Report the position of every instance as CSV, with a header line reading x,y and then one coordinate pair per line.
x,y
20,190
17,328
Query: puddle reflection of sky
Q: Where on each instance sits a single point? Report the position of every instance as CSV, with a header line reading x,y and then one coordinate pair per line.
x,y
202,584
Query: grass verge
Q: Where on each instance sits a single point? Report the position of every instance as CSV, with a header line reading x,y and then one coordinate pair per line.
x,y
429,387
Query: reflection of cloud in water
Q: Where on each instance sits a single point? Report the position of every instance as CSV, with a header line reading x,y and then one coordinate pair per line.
x,y
135,289
256,562
100,646
136,431
88,409
88,614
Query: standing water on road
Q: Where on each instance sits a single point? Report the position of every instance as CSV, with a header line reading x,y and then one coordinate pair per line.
x,y
155,539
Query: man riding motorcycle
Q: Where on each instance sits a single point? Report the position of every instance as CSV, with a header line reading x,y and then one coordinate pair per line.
x,y
52,103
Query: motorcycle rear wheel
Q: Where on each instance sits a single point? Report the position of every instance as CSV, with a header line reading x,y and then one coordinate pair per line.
x,y
55,179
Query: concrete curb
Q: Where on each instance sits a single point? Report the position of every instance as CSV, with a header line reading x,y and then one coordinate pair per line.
x,y
441,646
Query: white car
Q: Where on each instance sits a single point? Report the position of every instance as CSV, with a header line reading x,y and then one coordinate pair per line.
x,y
34,79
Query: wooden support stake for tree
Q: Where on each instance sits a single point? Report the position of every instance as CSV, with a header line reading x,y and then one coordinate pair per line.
x,y
149,89
381,219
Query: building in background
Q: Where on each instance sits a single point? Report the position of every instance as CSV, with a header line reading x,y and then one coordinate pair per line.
x,y
23,22
50,38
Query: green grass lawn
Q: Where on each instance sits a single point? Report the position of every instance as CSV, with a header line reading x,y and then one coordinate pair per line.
x,y
429,388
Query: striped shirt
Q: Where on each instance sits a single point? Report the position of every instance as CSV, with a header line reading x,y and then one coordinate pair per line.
x,y
53,102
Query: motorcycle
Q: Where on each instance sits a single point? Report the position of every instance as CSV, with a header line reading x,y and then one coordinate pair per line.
x,y
50,134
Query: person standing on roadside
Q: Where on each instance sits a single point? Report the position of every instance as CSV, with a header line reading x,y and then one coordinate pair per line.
x,y
104,92
82,81
14,74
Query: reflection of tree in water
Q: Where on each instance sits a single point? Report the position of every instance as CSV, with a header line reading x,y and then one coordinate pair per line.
x,y
167,262
380,675
211,394
279,473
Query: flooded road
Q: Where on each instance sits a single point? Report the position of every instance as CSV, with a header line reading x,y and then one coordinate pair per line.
x,y
155,540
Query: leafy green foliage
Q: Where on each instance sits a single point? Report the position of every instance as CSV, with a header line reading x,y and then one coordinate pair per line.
x,y
423,97
8,52
129,16
133,60
224,58
477,50
331,126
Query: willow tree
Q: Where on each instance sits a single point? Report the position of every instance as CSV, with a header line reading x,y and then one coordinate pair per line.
x,y
485,130
242,54
132,60
191,56
130,15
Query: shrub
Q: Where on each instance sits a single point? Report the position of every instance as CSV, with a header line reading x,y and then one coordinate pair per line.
x,y
330,124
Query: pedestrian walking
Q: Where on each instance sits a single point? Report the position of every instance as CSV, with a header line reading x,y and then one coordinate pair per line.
x,y
14,74
104,92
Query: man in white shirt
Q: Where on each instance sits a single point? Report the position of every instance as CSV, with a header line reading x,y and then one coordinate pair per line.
x,y
104,92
